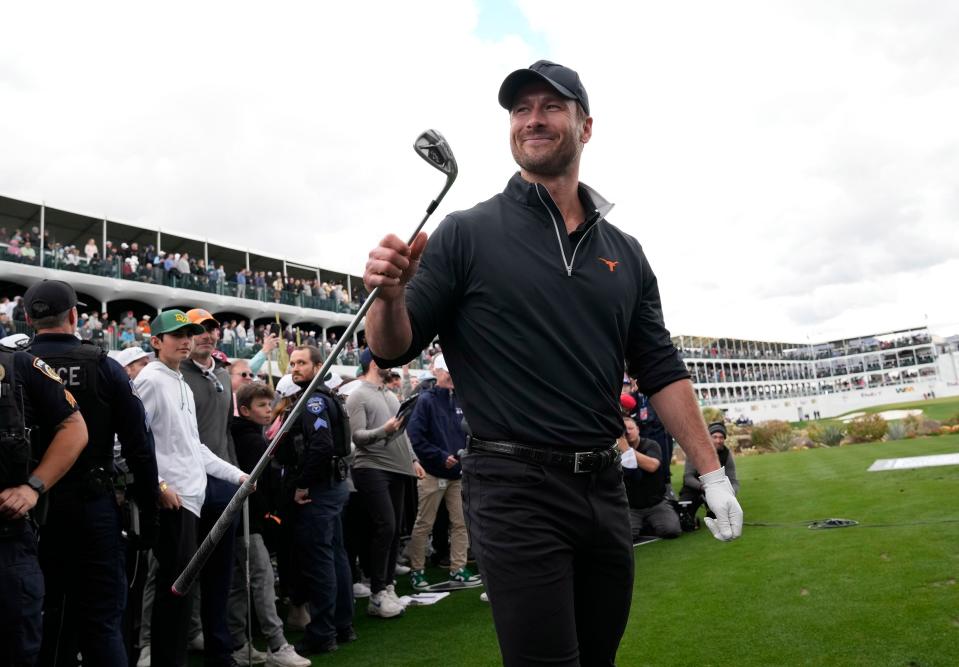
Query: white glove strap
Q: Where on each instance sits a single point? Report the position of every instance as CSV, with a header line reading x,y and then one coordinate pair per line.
x,y
714,477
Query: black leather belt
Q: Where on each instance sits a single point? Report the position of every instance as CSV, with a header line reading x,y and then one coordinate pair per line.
x,y
591,460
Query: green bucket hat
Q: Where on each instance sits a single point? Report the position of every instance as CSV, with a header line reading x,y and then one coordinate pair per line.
x,y
174,320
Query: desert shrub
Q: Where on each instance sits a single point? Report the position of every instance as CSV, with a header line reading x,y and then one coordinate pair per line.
x,y
713,415
918,425
762,433
826,434
782,441
896,431
868,428
952,421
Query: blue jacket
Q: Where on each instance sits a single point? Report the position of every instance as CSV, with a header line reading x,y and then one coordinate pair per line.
x,y
436,431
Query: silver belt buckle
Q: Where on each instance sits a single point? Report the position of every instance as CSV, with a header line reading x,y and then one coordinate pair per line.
x,y
576,461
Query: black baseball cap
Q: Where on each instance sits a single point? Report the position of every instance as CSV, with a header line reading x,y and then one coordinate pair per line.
x,y
564,80
50,297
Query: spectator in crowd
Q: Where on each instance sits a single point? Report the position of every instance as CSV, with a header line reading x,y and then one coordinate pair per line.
x,y
437,435
650,513
90,250
212,392
253,402
383,460
133,360
184,462
692,491
320,494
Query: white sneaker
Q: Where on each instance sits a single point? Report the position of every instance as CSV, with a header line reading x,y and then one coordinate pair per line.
x,y
196,644
382,605
286,656
298,617
484,597
361,590
391,591
401,569
248,655
144,660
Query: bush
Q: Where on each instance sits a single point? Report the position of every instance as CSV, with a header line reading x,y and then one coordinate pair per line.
x,y
918,426
868,428
829,435
713,415
782,441
896,431
952,421
763,433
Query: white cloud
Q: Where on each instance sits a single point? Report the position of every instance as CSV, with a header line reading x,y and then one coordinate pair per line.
x,y
789,166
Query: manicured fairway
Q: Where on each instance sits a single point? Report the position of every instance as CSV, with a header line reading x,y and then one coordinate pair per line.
x,y
883,593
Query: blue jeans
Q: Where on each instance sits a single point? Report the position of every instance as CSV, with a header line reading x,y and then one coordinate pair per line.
x,y
324,567
21,594
83,557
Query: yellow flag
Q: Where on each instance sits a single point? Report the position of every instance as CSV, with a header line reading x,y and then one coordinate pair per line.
x,y
282,358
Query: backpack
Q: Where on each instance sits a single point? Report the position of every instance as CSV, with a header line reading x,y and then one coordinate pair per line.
x,y
340,423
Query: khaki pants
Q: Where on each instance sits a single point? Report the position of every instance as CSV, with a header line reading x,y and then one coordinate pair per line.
x,y
430,495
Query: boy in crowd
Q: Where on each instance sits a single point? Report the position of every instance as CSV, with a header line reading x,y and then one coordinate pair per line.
x,y
183,463
253,403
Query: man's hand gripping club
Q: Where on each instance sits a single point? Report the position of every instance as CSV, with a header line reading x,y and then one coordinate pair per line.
x,y
391,265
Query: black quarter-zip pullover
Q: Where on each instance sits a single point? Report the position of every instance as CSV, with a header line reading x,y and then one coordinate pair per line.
x,y
536,323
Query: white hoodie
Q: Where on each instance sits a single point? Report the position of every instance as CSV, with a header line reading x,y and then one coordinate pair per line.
x,y
183,461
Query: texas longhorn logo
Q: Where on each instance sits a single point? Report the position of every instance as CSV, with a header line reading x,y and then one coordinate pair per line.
x,y
610,263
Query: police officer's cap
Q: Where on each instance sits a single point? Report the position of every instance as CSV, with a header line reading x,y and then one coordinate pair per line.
x,y
50,297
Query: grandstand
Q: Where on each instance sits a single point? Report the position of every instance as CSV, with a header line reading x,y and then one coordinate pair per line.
x,y
762,380
116,267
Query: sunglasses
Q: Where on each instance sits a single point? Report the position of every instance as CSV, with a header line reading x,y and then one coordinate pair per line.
x,y
245,374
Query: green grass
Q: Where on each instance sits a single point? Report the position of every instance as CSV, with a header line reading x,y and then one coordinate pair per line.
x,y
939,409
781,595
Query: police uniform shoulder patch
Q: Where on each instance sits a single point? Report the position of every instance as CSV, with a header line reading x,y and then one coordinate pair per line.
x,y
3,372
315,405
44,368
70,399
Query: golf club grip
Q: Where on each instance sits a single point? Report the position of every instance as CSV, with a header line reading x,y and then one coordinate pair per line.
x,y
187,578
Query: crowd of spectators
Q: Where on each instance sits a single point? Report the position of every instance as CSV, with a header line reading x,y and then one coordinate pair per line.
x,y
144,263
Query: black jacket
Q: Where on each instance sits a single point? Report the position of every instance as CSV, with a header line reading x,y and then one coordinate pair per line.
x,y
536,323
250,446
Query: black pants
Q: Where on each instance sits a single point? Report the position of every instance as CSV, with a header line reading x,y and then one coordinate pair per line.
x,y
21,594
555,552
356,535
216,578
83,556
383,493
170,623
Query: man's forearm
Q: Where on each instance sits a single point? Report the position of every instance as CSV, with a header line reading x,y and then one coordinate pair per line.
x,y
388,330
677,408
62,453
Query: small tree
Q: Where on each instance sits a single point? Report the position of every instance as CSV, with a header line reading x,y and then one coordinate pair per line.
x,y
868,428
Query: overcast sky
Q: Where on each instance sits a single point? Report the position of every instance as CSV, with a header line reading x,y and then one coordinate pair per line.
x,y
789,167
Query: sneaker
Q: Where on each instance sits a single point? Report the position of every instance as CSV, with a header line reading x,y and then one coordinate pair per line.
x,y
382,605
361,590
144,660
306,647
401,569
298,617
196,644
418,580
346,635
286,656
466,578
484,596
391,591
248,655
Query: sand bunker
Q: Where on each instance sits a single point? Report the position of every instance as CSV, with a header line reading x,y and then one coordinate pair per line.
x,y
888,415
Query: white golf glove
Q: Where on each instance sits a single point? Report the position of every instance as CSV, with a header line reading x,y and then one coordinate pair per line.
x,y
728,524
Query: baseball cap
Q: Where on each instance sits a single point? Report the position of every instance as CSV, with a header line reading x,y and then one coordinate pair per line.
x,y
49,297
201,316
220,356
128,355
286,387
366,356
439,363
563,80
174,320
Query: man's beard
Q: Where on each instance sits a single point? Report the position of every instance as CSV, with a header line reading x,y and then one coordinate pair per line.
x,y
553,163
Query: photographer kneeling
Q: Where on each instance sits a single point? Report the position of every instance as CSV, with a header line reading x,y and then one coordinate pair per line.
x,y
645,478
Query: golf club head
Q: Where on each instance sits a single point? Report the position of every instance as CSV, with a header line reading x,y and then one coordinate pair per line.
x,y
432,147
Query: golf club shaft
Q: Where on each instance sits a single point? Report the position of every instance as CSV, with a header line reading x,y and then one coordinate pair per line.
x,y
186,579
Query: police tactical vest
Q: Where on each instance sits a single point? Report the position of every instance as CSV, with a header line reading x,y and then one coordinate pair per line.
x,y
14,436
339,430
79,369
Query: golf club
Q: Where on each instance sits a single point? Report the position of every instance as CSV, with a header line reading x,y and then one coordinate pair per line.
x,y
433,148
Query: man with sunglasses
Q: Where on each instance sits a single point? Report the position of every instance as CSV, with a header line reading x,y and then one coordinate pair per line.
x,y
213,395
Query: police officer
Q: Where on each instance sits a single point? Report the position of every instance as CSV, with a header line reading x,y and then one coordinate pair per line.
x,y
82,550
320,495
38,419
